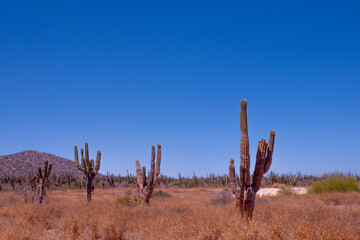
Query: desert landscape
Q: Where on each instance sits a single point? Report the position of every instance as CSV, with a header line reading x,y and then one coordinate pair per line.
x,y
291,206
179,120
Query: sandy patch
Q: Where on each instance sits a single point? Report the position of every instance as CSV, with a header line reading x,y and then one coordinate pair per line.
x,y
275,191
264,191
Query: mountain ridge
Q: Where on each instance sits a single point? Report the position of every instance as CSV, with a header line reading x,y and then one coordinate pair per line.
x,y
25,163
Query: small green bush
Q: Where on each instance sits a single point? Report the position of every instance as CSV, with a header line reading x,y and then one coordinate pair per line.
x,y
177,184
335,184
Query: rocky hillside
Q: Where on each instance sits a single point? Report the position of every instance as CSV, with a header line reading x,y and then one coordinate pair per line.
x,y
25,163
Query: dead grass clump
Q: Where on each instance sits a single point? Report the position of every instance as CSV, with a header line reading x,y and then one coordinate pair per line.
x,y
278,185
29,194
222,198
129,200
160,195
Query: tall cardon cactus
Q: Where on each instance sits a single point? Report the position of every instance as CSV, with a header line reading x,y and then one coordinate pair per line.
x,y
87,167
146,188
245,195
42,179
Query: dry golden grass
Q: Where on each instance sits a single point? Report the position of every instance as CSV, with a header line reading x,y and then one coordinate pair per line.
x,y
188,214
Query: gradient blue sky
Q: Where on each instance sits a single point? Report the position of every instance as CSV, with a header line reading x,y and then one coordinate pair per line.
x,y
127,75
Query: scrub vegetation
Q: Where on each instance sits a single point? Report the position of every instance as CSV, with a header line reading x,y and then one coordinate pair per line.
x,y
335,184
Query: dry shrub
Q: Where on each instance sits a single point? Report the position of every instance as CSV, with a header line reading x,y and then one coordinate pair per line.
x,y
278,185
186,215
285,190
29,194
129,200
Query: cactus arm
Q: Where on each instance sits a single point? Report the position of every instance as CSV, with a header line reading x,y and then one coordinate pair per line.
x,y
232,176
158,161
144,176
87,153
88,164
40,173
98,158
139,176
92,164
259,165
76,153
83,166
152,169
49,170
270,149
44,170
83,163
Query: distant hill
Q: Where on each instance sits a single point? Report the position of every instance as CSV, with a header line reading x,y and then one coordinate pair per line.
x,y
23,164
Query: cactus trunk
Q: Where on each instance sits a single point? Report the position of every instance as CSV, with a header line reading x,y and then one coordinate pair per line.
x,y
89,189
41,191
42,179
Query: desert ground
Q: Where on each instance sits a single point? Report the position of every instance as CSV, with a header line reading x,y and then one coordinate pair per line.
x,y
178,213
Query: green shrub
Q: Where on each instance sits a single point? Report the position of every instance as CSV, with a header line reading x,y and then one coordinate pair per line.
x,y
192,184
177,184
335,184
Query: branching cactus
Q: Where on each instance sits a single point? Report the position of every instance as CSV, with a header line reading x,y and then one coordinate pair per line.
x,y
146,188
87,167
245,195
42,179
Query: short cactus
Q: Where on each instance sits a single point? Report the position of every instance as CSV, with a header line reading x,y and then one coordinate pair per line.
x,y
88,167
42,179
245,202
146,188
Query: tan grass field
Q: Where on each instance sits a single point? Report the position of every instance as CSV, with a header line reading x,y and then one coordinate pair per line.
x,y
188,214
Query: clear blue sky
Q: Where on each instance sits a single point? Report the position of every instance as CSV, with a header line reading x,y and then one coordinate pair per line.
x,y
125,76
